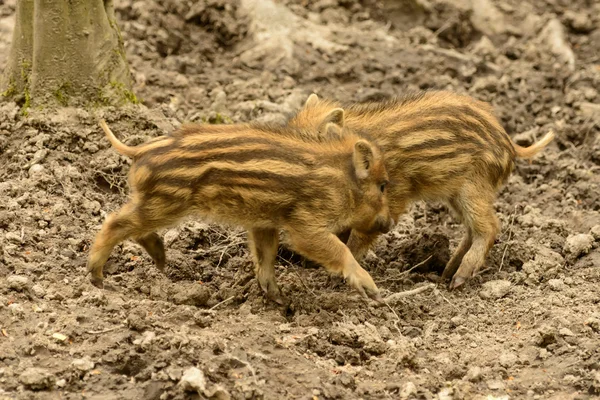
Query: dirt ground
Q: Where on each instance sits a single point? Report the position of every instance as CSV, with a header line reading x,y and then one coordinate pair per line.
x,y
527,327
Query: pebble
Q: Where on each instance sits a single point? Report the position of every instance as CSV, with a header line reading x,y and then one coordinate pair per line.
x,y
16,309
595,232
346,380
565,332
577,245
36,169
59,337
494,290
83,364
36,379
194,295
507,360
556,284
17,282
193,380
579,22
218,392
473,374
495,384
61,383
408,390
38,290
593,323
547,336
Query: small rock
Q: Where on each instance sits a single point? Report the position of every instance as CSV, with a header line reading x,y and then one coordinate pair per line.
x,y
579,22
61,383
146,339
556,284
507,360
495,384
346,380
473,374
59,337
217,392
38,290
547,336
36,169
565,332
220,103
590,110
494,290
17,282
593,323
136,320
174,373
446,394
488,83
16,309
408,390
285,328
36,379
577,245
485,48
194,295
595,232
193,380
83,364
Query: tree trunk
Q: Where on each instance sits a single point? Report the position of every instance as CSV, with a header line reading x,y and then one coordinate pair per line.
x,y
66,52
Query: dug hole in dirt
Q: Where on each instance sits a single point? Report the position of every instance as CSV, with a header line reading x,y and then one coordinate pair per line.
x,y
528,326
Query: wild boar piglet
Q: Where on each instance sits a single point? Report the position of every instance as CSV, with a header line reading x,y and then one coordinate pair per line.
x,y
260,177
438,146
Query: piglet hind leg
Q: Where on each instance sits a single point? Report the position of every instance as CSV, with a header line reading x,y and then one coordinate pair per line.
x,y
117,227
326,249
481,221
463,247
263,245
153,244
136,221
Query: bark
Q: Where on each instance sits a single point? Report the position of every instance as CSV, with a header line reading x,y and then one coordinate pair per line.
x,y
66,52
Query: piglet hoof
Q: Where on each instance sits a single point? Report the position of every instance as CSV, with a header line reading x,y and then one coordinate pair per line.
x,y
272,292
97,281
334,281
457,282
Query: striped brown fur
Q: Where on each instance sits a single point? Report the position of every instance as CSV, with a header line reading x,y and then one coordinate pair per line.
x,y
263,178
438,146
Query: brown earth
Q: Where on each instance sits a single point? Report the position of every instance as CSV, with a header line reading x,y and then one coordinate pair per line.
x,y
527,327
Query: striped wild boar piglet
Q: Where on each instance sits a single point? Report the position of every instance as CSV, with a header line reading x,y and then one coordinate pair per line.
x,y
262,178
438,146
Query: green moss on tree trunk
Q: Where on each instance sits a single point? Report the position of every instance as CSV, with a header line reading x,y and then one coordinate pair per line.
x,y
66,53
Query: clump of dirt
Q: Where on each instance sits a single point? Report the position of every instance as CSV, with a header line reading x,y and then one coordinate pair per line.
x,y
526,327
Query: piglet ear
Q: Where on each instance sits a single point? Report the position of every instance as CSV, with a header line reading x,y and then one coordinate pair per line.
x,y
333,131
362,159
312,100
335,116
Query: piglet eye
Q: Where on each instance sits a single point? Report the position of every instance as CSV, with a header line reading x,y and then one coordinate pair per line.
x,y
382,187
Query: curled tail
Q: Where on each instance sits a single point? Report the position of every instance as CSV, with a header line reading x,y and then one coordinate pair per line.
x,y
528,152
116,143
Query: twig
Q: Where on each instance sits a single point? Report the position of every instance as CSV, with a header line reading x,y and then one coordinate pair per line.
x,y
438,293
397,318
510,231
403,273
222,302
416,266
247,364
397,296
106,330
298,275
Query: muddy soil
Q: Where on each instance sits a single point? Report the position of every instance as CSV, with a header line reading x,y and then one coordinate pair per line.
x,y
528,326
